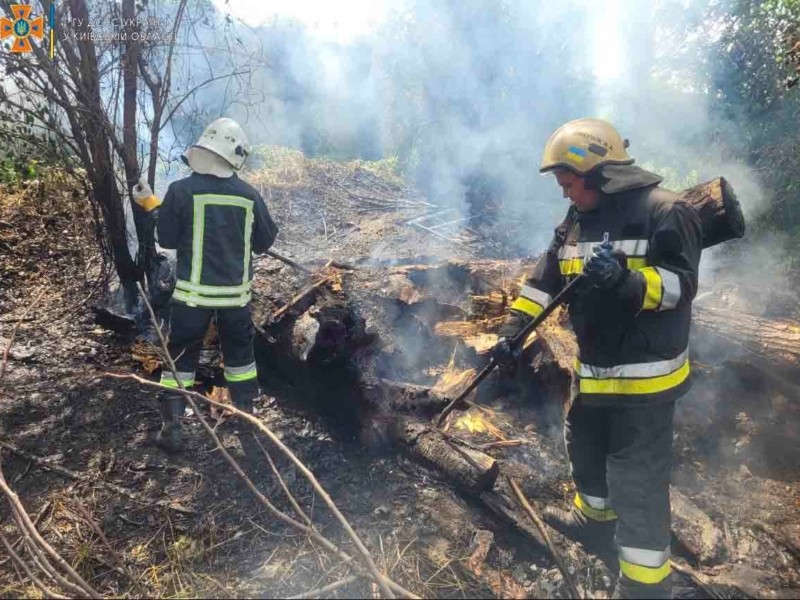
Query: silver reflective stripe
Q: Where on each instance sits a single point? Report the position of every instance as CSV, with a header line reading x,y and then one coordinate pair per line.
x,y
240,370
198,231
538,296
644,558
213,290
671,286
595,502
634,371
583,249
248,232
195,300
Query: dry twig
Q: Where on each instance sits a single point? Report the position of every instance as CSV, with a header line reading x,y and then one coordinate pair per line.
x,y
94,480
282,483
35,542
573,590
15,558
117,558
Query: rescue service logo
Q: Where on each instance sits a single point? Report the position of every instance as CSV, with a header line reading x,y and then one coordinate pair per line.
x,y
22,26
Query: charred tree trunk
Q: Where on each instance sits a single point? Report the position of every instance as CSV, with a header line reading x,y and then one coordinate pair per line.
x,y
469,468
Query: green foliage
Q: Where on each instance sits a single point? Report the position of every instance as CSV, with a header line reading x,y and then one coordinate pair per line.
x,y
13,169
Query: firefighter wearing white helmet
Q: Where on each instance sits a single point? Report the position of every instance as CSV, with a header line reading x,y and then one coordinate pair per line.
x,y
631,316
214,221
221,149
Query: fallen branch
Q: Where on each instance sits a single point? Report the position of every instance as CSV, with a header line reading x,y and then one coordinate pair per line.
x,y
380,578
545,536
299,296
40,546
327,589
501,444
697,579
117,558
94,480
313,533
15,558
282,483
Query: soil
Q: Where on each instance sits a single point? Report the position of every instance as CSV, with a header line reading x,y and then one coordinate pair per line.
x,y
736,458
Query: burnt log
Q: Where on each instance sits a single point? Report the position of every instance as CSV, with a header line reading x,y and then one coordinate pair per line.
x,y
719,210
774,340
386,350
468,468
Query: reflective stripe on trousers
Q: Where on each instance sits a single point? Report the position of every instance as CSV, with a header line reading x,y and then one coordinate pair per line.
x,y
244,373
644,566
168,378
594,507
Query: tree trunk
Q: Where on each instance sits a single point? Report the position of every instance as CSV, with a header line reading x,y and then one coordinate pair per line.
x,y
776,340
719,210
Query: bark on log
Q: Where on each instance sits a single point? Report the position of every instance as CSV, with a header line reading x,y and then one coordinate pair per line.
x,y
775,340
425,442
719,210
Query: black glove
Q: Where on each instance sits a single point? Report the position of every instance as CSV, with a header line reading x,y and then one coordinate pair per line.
x,y
605,268
506,354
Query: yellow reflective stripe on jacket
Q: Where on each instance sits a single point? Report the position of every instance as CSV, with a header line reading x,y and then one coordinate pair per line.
x,y
636,378
583,249
574,266
571,258
201,201
531,293
662,290
213,290
596,514
529,307
644,385
652,292
192,299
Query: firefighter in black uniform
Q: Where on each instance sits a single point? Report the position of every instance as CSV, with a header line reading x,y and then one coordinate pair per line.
x,y
214,221
631,317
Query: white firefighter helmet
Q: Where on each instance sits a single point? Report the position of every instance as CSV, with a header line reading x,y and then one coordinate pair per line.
x,y
584,145
221,149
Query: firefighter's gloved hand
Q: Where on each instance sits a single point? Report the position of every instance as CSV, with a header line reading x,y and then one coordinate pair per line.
x,y
506,354
144,197
606,269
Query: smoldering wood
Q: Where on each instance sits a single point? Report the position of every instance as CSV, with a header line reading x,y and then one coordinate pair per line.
x,y
425,442
719,210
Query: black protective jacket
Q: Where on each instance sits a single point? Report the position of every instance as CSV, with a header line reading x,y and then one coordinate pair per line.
x,y
633,341
215,224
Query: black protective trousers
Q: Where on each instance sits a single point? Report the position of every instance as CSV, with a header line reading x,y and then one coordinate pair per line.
x,y
188,326
623,455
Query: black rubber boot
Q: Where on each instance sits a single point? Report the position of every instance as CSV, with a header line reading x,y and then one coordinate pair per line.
x,y
596,537
170,438
628,588
246,433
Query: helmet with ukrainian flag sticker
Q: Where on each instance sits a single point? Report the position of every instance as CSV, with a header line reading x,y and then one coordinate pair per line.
x,y
583,145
